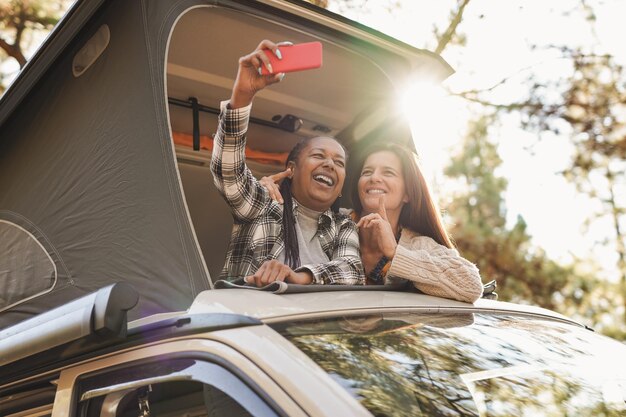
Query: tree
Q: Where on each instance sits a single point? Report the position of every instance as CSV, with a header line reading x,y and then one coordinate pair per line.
x,y
590,108
21,22
504,253
593,106
442,38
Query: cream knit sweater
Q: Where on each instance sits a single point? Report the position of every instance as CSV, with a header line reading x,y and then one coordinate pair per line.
x,y
434,269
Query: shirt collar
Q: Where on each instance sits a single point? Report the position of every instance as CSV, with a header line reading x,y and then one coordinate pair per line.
x,y
328,214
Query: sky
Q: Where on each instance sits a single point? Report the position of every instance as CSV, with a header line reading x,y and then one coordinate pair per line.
x,y
500,35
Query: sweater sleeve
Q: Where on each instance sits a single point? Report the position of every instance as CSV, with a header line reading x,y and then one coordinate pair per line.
x,y
435,269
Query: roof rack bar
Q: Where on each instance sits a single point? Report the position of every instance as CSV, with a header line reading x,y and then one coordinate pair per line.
x,y
101,314
212,110
138,334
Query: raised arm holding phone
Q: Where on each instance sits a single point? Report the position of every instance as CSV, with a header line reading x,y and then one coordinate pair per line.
x,y
303,240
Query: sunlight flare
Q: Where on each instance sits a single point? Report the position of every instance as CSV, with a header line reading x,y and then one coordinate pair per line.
x,y
434,121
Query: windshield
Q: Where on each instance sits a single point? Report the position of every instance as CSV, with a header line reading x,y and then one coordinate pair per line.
x,y
467,364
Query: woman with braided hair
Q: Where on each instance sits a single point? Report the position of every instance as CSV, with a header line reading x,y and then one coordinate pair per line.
x,y
305,240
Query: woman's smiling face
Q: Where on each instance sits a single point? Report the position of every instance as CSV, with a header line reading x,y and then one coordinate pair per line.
x,y
319,173
381,176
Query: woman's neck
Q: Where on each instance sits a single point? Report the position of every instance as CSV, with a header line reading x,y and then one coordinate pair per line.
x,y
309,212
319,210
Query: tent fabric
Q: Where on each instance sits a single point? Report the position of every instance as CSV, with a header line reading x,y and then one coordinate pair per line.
x,y
88,167
26,270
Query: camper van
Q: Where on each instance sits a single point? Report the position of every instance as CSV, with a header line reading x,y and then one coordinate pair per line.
x,y
112,236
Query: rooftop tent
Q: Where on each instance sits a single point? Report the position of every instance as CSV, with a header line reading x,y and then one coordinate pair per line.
x,y
90,187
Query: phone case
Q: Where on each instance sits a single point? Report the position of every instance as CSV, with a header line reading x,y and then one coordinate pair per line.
x,y
299,57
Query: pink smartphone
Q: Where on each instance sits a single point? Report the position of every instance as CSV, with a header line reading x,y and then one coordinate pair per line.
x,y
299,57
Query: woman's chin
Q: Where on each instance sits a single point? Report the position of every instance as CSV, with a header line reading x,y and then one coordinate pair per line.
x,y
368,210
370,203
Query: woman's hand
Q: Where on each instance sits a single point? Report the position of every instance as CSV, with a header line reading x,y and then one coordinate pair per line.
x,y
249,80
271,184
375,231
274,270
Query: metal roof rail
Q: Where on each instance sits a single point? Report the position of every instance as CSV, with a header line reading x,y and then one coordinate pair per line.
x,y
138,333
101,315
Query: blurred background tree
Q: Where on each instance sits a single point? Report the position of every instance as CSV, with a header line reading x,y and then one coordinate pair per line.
x,y
523,272
588,105
23,24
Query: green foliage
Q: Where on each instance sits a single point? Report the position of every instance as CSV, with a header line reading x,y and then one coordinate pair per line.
x,y
588,106
506,253
592,111
523,273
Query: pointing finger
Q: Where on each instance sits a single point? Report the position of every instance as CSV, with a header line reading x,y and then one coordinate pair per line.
x,y
381,207
281,175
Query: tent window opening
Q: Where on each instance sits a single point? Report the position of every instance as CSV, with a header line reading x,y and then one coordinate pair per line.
x,y
200,73
26,269
91,51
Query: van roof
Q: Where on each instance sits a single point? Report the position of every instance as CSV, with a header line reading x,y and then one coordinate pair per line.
x,y
28,349
269,307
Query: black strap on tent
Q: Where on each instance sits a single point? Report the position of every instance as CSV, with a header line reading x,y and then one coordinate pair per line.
x,y
212,110
195,109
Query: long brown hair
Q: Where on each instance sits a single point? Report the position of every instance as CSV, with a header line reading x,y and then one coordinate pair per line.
x,y
421,213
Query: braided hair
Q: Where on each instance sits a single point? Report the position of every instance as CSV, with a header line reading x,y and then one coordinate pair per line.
x,y
290,238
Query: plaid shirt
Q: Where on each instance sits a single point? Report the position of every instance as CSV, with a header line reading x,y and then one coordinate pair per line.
x,y
257,230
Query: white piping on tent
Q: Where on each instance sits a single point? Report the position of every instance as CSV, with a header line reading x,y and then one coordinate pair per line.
x,y
49,258
171,141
